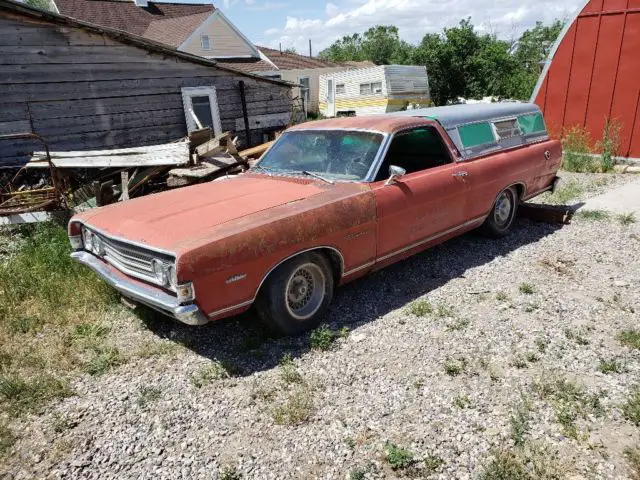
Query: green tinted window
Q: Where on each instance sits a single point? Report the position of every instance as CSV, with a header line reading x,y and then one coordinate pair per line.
x,y
476,134
531,123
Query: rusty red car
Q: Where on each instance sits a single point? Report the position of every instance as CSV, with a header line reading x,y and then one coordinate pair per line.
x,y
329,202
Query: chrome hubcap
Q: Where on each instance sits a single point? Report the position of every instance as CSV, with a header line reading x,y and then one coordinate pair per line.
x,y
305,291
503,209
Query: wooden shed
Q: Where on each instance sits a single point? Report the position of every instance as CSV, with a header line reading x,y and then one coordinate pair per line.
x,y
84,87
593,73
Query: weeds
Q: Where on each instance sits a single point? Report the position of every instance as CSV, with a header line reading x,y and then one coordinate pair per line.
x,y
357,474
148,395
288,370
207,375
611,366
7,438
566,193
541,344
526,288
462,402
322,338
103,360
398,457
420,308
296,409
631,408
502,296
577,151
578,336
454,367
633,459
230,473
626,218
459,324
630,338
529,462
154,349
609,144
444,311
520,422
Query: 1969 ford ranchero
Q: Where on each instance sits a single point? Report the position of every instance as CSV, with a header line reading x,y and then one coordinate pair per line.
x,y
330,201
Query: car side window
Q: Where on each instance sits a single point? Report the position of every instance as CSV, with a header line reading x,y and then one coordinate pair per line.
x,y
415,150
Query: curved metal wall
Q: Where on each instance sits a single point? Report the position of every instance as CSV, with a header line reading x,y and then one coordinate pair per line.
x,y
594,73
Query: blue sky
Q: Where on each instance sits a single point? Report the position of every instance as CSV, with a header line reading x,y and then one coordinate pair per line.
x,y
293,23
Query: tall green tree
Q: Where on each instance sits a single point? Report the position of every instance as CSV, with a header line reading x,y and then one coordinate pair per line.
x,y
42,4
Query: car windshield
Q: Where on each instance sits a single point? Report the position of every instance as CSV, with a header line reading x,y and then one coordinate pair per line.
x,y
328,154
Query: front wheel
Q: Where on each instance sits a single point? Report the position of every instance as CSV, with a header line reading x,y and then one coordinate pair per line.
x,y
297,294
502,214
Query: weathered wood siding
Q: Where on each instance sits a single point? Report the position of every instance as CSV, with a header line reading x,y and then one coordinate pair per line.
x,y
82,90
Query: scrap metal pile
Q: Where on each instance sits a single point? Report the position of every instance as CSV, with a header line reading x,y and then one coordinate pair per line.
x,y
55,181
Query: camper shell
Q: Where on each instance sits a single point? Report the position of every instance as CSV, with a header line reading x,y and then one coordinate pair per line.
x,y
480,129
373,90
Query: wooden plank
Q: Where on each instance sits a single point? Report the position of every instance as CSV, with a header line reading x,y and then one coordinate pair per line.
x,y
18,126
89,72
81,108
51,36
546,213
64,54
256,151
167,148
97,123
13,111
100,89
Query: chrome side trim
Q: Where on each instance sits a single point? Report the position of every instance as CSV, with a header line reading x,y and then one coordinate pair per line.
x,y
147,295
432,237
124,240
357,269
232,307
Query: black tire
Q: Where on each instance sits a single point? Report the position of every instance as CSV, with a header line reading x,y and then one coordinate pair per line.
x,y
297,294
503,214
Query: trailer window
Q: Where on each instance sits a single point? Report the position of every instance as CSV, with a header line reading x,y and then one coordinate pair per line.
x,y
340,89
370,88
531,123
507,129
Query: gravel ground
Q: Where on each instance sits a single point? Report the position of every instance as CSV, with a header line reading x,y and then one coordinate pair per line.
x,y
219,401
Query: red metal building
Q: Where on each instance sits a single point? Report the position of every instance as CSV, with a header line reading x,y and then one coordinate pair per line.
x,y
593,73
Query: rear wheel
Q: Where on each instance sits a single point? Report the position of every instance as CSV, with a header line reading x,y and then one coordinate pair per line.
x,y
503,213
297,294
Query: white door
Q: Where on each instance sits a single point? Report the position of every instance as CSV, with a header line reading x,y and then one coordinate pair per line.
x,y
331,103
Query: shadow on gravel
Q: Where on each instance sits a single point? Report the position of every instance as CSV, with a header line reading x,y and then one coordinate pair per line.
x,y
243,346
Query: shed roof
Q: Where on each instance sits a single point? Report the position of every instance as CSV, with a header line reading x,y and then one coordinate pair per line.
x,y
124,37
451,116
174,31
295,61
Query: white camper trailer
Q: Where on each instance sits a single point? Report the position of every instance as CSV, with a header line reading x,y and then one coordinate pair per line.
x,y
381,89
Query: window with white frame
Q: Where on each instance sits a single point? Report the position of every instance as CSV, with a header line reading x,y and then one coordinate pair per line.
x,y
305,90
370,88
340,89
205,42
201,108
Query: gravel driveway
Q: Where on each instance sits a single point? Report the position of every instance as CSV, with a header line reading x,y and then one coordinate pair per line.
x,y
471,353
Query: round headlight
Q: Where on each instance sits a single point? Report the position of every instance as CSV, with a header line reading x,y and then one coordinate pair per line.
x,y
160,272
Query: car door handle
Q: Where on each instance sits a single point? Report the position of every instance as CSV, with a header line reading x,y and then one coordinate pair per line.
x,y
459,174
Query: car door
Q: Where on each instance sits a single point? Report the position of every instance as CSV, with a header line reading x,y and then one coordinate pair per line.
x,y
425,203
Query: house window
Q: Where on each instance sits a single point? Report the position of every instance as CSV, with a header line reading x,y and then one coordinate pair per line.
x,y
305,90
201,108
340,89
205,42
370,88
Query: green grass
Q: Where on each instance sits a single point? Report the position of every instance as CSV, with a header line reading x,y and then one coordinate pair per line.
x,y
520,422
104,359
462,402
633,459
357,474
526,288
459,324
230,473
501,296
444,311
566,193
578,336
420,308
626,218
592,215
29,394
398,457
630,338
541,344
631,407
52,313
527,462
7,439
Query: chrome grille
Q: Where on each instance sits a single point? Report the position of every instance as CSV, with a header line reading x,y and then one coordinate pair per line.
x,y
130,259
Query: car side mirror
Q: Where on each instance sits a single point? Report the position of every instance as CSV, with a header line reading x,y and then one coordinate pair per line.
x,y
395,173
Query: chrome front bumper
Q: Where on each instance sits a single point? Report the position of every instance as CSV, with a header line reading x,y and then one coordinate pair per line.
x,y
150,296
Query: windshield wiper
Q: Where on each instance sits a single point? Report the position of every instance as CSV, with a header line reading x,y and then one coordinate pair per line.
x,y
320,177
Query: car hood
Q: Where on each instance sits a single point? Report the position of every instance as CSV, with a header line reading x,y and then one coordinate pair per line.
x,y
168,219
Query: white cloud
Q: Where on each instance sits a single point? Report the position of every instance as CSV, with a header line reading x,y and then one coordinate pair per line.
x,y
414,18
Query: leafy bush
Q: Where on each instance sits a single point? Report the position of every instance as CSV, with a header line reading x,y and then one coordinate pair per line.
x,y
577,151
609,144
